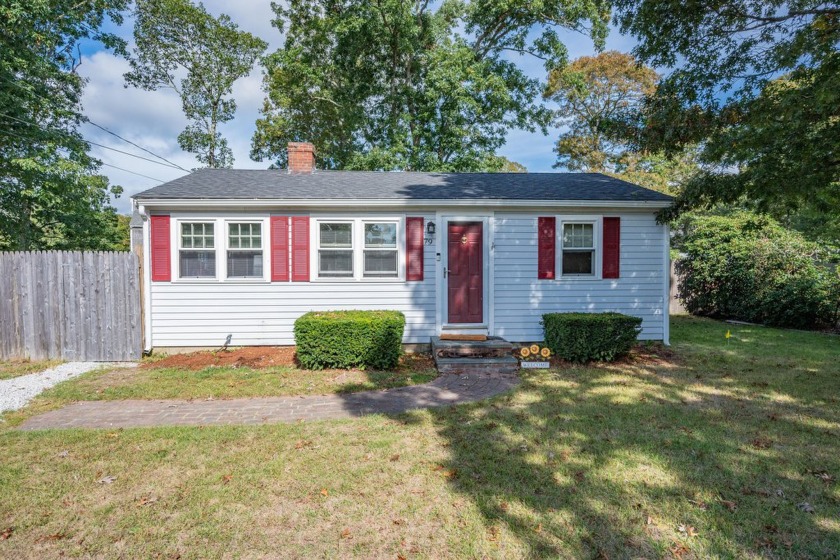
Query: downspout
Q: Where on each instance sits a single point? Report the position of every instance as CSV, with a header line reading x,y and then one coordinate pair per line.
x,y
147,282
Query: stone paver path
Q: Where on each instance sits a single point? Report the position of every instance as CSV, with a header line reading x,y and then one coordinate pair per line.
x,y
444,391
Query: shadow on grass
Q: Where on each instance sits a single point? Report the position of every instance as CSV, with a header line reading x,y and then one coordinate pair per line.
x,y
629,461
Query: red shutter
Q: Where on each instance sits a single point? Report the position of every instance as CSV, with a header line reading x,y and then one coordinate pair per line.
x,y
279,248
300,248
414,249
161,255
546,248
612,247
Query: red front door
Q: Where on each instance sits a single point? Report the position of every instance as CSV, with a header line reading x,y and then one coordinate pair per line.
x,y
465,272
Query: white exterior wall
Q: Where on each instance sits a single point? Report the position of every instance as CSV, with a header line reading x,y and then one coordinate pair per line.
x,y
185,313
202,314
521,299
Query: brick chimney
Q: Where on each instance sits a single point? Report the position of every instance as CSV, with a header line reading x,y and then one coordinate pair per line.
x,y
301,157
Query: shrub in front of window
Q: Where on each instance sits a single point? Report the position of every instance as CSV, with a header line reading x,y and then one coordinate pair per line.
x,y
584,337
347,339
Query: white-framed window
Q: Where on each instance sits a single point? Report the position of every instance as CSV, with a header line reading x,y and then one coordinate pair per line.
x,y
578,247
335,249
196,249
381,252
244,249
359,249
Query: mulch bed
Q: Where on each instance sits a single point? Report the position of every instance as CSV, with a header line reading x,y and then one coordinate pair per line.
x,y
258,357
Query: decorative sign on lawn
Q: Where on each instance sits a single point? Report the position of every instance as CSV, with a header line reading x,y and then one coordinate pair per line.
x,y
534,357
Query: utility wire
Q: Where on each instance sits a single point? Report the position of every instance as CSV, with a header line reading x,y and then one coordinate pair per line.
x,y
99,126
173,166
105,164
135,145
133,172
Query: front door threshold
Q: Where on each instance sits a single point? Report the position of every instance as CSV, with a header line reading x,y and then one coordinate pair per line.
x,y
465,329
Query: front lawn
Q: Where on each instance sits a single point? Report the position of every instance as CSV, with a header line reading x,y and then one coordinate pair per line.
x,y
708,449
16,368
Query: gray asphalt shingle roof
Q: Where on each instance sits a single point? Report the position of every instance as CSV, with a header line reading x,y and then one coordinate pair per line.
x,y
278,184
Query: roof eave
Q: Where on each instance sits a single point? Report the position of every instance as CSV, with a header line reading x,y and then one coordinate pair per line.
x,y
400,202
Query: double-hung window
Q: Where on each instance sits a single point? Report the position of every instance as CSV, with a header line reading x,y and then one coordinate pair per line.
x,y
196,252
578,249
358,249
381,253
335,249
244,250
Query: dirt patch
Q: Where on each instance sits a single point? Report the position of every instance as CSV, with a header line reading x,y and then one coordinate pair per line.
x,y
259,357
256,357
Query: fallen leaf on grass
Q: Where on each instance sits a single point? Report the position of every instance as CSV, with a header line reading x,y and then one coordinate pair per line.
x,y
504,506
700,504
53,537
64,453
687,530
399,521
226,478
678,550
806,507
400,557
345,534
538,528
324,492
823,475
731,506
113,435
146,500
303,444
580,476
494,533
395,457
107,479
6,533
762,443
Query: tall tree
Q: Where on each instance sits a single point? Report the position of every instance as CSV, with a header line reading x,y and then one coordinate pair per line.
x,y
181,46
413,85
50,194
757,85
593,92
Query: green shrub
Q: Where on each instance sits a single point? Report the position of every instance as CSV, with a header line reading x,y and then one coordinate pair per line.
x,y
748,267
583,337
346,339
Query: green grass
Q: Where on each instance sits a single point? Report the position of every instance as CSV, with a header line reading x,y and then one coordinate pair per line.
x,y
708,450
16,368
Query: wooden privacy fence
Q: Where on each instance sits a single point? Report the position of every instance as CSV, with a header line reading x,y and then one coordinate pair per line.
x,y
70,305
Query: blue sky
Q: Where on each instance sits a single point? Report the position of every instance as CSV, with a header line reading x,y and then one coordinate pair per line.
x,y
154,119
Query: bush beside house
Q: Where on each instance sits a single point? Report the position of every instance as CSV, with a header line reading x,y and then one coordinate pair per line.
x,y
584,337
748,267
347,339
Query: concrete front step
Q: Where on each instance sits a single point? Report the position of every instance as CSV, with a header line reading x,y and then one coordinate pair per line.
x,y
507,364
494,355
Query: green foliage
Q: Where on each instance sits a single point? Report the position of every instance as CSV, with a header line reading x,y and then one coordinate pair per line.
x,y
50,194
748,267
584,337
757,84
176,38
411,85
346,339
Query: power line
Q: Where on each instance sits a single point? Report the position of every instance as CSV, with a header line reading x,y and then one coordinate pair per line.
x,y
99,126
173,166
102,163
133,144
133,172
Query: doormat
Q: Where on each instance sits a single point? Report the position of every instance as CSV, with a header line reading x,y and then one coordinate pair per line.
x,y
465,337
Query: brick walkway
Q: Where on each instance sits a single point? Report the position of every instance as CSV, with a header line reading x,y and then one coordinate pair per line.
x,y
444,391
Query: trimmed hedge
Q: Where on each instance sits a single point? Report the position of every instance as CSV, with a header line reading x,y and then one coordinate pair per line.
x,y
347,339
584,337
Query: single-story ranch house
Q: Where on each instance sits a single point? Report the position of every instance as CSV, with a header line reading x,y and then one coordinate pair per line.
x,y
246,252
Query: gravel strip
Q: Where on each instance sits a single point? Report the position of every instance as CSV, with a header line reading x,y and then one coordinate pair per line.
x,y
16,392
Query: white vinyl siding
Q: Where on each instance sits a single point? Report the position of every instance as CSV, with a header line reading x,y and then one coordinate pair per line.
x,y
190,314
520,298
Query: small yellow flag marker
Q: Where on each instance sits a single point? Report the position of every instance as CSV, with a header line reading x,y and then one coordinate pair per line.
x,y
728,335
